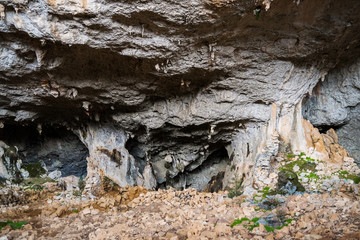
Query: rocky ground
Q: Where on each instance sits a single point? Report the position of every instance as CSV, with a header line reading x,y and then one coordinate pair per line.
x,y
305,198
134,213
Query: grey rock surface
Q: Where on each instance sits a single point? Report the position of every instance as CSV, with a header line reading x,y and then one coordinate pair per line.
x,y
10,163
335,103
173,81
109,157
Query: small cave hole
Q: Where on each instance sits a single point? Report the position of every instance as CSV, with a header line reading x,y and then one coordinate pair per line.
x,y
324,128
138,151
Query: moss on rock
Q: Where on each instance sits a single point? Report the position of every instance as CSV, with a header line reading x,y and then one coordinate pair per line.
x,y
286,176
35,169
37,181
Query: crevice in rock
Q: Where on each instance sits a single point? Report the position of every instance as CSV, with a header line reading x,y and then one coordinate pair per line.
x,y
247,149
324,128
137,150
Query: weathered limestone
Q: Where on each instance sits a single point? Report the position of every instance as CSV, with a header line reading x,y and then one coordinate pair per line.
x,y
290,129
334,103
109,157
10,163
179,79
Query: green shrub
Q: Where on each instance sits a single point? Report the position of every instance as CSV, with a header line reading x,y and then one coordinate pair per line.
x,y
13,225
236,188
343,174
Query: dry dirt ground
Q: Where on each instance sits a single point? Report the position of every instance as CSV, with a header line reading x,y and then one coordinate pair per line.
x,y
134,213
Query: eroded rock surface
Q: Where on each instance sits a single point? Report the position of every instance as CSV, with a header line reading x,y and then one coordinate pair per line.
x,y
335,104
166,86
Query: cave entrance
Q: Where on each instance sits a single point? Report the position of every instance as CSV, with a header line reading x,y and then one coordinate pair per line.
x,y
208,176
55,147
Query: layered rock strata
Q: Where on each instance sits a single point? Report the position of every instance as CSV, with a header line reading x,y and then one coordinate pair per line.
x,y
167,86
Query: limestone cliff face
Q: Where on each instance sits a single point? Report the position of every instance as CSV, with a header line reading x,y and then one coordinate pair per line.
x,y
179,91
334,103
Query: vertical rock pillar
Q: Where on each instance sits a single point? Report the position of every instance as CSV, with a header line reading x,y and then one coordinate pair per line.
x,y
109,157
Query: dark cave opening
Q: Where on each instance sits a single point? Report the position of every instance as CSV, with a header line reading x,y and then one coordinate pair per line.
x,y
324,128
215,157
212,170
208,176
137,150
55,147
195,160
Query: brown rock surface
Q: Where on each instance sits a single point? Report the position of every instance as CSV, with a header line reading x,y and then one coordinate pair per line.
x,y
327,145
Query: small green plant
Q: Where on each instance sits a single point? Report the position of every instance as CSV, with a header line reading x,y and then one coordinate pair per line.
x,y
239,221
286,176
312,175
303,165
13,225
216,223
3,224
269,229
236,189
289,156
302,154
34,187
272,229
253,223
343,174
77,193
75,210
267,192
